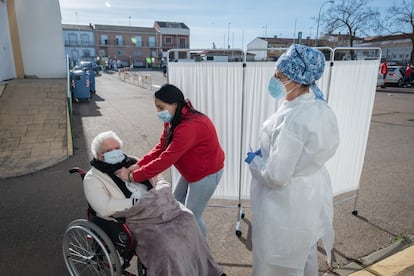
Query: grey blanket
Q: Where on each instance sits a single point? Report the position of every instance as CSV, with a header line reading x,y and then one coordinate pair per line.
x,y
169,240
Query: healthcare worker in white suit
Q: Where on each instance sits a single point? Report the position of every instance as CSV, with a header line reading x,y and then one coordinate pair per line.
x,y
291,192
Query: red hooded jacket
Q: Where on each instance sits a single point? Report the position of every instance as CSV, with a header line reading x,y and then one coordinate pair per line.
x,y
194,150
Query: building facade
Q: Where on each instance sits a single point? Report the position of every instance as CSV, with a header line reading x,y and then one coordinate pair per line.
x,y
124,46
79,43
270,48
173,35
128,46
395,48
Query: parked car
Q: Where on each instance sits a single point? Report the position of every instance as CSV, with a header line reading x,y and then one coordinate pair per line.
x,y
88,65
380,80
395,75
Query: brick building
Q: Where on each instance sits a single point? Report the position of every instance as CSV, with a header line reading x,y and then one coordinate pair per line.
x,y
125,45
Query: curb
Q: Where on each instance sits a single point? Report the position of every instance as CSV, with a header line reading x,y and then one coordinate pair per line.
x,y
401,262
2,87
396,259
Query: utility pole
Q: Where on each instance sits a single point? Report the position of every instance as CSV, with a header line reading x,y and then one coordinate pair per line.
x,y
228,35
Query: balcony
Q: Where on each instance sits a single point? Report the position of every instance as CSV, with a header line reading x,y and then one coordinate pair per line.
x,y
108,43
78,43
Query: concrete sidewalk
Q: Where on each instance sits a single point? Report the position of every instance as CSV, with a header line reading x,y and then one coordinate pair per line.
x,y
34,135
33,125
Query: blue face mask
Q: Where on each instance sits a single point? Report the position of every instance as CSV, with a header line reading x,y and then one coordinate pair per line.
x,y
276,88
165,116
113,157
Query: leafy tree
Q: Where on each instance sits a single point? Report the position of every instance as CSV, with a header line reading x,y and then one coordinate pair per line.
x,y
400,20
351,17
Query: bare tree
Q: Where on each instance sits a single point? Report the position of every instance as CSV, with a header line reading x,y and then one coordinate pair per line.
x,y
400,20
351,17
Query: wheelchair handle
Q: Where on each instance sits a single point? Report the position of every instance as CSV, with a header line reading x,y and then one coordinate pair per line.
x,y
77,170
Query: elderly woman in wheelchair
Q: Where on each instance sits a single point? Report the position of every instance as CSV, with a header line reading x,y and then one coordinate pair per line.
x,y
127,219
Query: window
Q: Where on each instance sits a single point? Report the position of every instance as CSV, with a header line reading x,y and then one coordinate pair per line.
x,y
138,41
84,39
151,41
86,53
75,54
120,53
102,53
104,39
182,43
138,53
72,39
118,40
168,40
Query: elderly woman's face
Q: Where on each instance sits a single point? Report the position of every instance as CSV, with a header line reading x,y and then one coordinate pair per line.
x,y
108,145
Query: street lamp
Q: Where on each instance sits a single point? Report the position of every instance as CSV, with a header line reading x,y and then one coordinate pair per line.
x,y
319,17
214,31
228,35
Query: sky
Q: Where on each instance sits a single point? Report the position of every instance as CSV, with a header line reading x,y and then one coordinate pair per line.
x,y
234,22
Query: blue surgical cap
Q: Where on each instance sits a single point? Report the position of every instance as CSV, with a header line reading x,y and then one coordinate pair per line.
x,y
303,65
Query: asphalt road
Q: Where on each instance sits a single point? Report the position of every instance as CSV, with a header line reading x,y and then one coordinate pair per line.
x,y
36,208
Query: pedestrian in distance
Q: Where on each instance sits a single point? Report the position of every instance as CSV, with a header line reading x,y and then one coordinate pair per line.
x,y
291,193
384,71
188,141
408,75
164,67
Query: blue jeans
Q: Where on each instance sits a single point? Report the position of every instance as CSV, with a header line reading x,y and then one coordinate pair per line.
x,y
195,195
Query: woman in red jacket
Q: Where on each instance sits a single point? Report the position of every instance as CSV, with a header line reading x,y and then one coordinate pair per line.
x,y
190,143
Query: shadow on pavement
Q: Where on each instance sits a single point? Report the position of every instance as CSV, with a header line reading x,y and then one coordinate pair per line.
x,y
37,208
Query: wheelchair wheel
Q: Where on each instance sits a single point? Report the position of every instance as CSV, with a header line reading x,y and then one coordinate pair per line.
x,y
87,250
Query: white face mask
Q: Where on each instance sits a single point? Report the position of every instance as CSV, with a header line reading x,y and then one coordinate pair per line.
x,y
113,157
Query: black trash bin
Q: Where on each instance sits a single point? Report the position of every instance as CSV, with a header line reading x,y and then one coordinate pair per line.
x,y
80,85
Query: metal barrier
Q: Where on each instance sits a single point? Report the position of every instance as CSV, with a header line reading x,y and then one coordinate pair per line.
x,y
143,80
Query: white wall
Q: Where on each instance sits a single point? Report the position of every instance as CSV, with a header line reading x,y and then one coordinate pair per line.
x,y
7,66
258,43
41,40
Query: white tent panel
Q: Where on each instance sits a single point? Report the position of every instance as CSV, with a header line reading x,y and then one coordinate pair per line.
x,y
351,96
258,106
216,89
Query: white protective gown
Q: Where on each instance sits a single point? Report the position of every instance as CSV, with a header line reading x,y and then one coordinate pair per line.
x,y
291,193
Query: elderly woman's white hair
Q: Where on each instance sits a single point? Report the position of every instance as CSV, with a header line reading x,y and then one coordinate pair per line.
x,y
96,144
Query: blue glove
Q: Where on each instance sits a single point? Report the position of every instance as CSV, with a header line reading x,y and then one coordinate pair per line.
x,y
251,155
